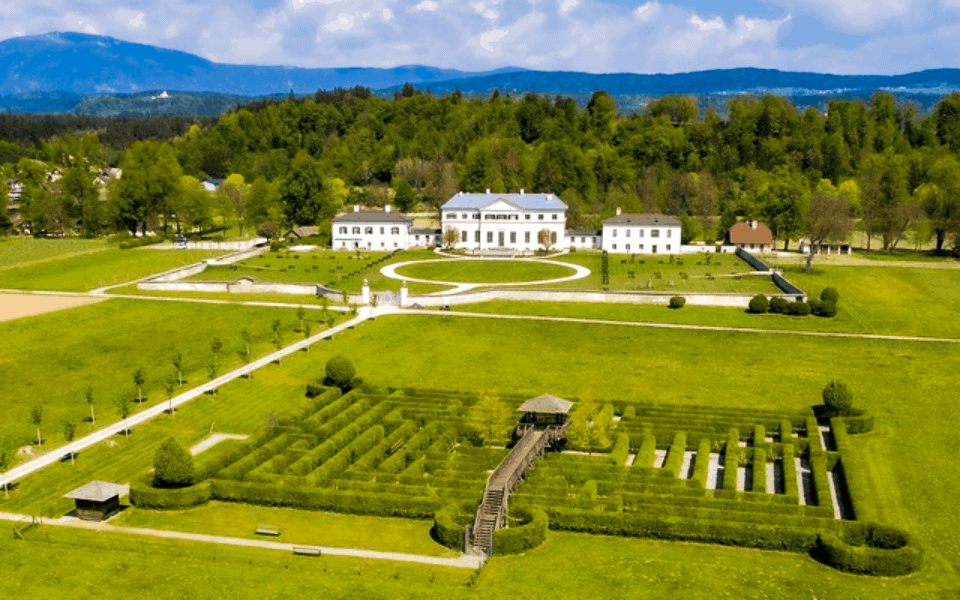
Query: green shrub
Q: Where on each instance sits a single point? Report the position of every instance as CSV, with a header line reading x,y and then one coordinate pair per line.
x,y
340,372
701,467
678,302
758,304
647,450
675,456
173,466
830,294
870,549
838,396
798,309
790,488
621,448
759,470
144,496
779,305
513,540
448,526
825,308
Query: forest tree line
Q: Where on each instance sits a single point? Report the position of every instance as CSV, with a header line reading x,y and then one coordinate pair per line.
x,y
300,161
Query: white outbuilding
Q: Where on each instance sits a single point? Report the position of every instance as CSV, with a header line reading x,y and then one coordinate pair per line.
x,y
641,234
372,230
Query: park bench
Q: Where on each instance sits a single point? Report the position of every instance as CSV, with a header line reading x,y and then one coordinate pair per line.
x,y
268,530
306,551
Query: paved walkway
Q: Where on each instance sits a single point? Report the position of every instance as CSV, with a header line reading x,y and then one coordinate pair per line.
x,y
214,439
868,336
460,287
143,416
464,562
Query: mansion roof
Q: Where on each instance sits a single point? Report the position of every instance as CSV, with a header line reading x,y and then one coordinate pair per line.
x,y
466,201
644,220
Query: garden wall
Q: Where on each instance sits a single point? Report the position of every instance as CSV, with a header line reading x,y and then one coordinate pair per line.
x,y
751,260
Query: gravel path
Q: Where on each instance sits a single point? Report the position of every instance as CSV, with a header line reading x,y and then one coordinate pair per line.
x,y
213,440
464,562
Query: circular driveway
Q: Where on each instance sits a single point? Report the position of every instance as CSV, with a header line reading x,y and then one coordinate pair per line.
x,y
390,271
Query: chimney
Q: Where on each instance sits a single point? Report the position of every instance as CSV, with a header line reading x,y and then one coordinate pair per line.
x,y
753,224
618,211
459,193
386,208
521,191
356,208
488,191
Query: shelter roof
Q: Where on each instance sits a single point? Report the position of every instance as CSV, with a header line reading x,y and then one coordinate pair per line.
x,y
546,404
98,491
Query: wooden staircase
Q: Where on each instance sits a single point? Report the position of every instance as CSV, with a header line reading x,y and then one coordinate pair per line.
x,y
488,518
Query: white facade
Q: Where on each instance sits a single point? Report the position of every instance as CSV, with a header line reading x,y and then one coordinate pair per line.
x,y
514,221
583,240
372,230
641,234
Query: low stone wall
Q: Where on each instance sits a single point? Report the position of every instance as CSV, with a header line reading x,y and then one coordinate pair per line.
x,y
752,260
238,256
709,248
782,283
177,274
730,300
183,286
244,245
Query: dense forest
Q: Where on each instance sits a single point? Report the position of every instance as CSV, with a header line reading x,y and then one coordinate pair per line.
x,y
300,161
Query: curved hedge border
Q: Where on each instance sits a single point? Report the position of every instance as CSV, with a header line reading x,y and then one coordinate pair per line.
x,y
447,527
513,540
871,549
145,496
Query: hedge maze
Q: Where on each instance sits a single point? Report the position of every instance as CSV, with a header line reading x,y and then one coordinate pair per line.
x,y
750,478
394,454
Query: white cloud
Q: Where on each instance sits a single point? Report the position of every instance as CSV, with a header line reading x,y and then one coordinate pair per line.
x,y
487,39
387,14
860,16
253,48
646,13
715,23
491,14
568,5
343,22
427,5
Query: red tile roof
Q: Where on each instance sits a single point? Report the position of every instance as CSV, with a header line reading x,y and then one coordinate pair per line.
x,y
742,233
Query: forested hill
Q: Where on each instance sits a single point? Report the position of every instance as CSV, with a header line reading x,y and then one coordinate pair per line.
x,y
299,162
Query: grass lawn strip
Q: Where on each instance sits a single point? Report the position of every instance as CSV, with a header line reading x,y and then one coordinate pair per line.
x,y
24,251
484,271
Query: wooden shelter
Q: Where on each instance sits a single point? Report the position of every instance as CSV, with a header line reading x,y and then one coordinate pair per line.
x,y
544,412
97,500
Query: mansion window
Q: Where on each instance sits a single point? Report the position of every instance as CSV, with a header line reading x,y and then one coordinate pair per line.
x,y
614,233
526,237
527,217
655,233
463,236
513,237
614,246
583,240
463,217
627,247
356,230
369,230
489,237
476,236
540,217
452,216
381,231
343,230
669,233
668,246
640,248
628,233
641,233
554,216
395,231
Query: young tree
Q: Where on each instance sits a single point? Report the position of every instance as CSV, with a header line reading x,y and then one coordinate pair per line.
x,y
546,238
827,220
277,338
340,372
124,410
172,466
301,314
244,351
489,421
233,194
450,237
307,330
178,365
139,378
88,394
579,433
36,417
168,386
69,432
838,396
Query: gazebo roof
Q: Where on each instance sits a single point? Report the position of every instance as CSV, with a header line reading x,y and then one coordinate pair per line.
x,y
98,491
546,404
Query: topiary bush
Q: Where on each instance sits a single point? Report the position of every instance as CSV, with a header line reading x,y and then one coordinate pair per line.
x,y
838,396
513,540
758,304
340,372
830,294
825,308
778,305
678,302
173,466
798,309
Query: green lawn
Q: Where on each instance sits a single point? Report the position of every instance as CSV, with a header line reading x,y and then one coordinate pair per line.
x,y
337,269
722,273
73,272
297,526
18,251
484,271
908,386
51,359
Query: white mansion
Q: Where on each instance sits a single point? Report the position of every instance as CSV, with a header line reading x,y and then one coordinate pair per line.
x,y
506,222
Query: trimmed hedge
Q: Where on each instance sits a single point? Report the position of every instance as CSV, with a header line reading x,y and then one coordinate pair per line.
x,y
621,448
798,309
731,460
758,304
779,305
675,455
759,471
448,526
678,302
513,540
146,496
790,486
701,468
647,450
870,549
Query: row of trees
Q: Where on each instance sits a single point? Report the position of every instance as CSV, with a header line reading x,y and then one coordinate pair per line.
x,y
298,162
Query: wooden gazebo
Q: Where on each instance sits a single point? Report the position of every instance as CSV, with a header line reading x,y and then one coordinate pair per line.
x,y
97,500
545,412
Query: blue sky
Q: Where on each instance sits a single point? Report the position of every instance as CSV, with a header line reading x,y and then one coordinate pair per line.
x,y
598,36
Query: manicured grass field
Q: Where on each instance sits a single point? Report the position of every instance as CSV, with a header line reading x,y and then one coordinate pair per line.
x,y
908,386
722,273
484,271
71,272
297,527
51,359
18,251
340,270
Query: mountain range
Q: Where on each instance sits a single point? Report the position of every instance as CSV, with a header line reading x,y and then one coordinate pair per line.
x,y
91,74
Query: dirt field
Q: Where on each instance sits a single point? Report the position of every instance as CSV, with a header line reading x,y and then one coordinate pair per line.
x,y
14,306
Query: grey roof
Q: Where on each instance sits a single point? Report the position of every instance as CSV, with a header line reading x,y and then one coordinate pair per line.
x,y
644,219
573,232
524,201
546,404
422,231
98,491
372,216
305,231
